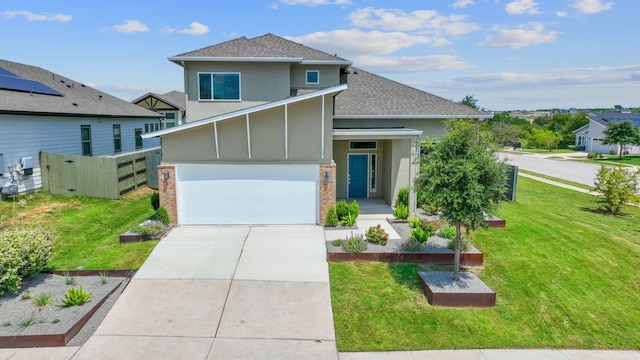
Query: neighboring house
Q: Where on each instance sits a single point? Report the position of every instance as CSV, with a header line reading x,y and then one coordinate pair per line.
x,y
591,135
43,111
283,130
170,105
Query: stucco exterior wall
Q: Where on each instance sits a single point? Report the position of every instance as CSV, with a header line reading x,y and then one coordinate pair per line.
x,y
328,75
259,83
267,133
429,127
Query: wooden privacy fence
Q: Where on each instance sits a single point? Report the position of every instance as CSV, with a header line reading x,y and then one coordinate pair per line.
x,y
103,177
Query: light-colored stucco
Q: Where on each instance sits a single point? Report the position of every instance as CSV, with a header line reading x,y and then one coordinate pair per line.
x,y
429,127
329,76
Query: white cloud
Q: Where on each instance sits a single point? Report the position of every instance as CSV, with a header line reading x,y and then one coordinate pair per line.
x,y
461,4
411,63
532,33
592,6
348,43
195,29
131,26
520,7
562,14
10,14
418,20
315,2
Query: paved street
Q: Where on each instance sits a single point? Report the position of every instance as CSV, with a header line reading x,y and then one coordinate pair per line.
x,y
582,173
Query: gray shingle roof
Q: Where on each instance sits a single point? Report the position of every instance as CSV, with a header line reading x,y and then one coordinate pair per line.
x,y
267,46
605,118
370,94
88,101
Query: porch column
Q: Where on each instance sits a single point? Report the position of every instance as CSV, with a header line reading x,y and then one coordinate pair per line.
x,y
167,191
327,189
414,170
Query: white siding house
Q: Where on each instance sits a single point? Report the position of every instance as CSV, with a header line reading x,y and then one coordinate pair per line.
x,y
592,135
52,119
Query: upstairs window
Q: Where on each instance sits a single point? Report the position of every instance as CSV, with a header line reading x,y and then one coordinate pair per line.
x,y
138,137
313,77
219,86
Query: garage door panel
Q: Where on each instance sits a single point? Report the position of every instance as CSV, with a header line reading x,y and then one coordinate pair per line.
x,y
247,194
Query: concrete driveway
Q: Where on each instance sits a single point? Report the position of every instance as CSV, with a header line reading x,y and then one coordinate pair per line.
x,y
224,293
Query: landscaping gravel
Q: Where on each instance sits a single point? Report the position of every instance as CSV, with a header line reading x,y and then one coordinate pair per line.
x,y
16,311
436,244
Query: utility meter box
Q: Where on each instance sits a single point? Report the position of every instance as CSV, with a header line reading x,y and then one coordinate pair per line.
x,y
27,165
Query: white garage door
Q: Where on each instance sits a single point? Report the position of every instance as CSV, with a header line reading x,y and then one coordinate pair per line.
x,y
247,194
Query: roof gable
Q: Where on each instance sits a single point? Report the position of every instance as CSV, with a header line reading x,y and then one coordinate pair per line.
x,y
174,100
77,99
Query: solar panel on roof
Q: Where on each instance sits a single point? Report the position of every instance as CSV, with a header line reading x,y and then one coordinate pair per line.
x,y
11,81
5,72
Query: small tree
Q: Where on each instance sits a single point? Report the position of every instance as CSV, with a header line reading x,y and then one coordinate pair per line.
x,y
621,133
469,101
618,187
464,178
547,139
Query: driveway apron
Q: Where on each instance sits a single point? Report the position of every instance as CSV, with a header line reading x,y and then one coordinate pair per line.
x,y
224,293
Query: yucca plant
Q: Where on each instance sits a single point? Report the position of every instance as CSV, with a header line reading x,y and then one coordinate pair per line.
x,y
75,297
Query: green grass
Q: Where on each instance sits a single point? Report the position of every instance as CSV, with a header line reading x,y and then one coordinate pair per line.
x,y
582,186
86,229
614,160
544,151
565,274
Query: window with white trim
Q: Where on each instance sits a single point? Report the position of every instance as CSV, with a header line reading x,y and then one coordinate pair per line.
x,y
219,86
117,139
85,137
313,76
374,158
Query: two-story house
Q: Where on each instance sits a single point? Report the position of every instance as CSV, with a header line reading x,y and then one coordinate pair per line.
x,y
277,131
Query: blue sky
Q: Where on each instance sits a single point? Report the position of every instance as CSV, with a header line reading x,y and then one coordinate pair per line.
x,y
508,54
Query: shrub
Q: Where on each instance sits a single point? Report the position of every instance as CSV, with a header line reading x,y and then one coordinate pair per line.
x,y
332,217
590,155
424,224
149,228
354,244
162,215
348,220
155,200
336,242
420,235
354,209
612,152
342,209
414,222
403,197
448,233
24,252
412,246
401,212
377,235
598,155
464,245
617,186
75,297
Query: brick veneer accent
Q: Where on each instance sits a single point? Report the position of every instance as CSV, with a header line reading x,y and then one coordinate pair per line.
x,y
327,190
167,190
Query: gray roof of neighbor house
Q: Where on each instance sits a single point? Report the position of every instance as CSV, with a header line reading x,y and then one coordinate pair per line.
x,y
267,46
370,95
605,118
76,99
173,98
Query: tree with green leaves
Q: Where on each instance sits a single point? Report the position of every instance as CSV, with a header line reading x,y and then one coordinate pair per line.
x,y
621,133
464,178
618,186
469,101
547,139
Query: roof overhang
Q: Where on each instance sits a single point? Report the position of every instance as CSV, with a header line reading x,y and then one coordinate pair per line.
x,y
443,116
253,109
326,62
581,129
386,134
181,59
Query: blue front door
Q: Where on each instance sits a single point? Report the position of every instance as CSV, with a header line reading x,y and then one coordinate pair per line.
x,y
358,165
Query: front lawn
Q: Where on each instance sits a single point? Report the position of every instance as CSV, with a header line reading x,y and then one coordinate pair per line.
x,y
566,276
615,160
86,229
